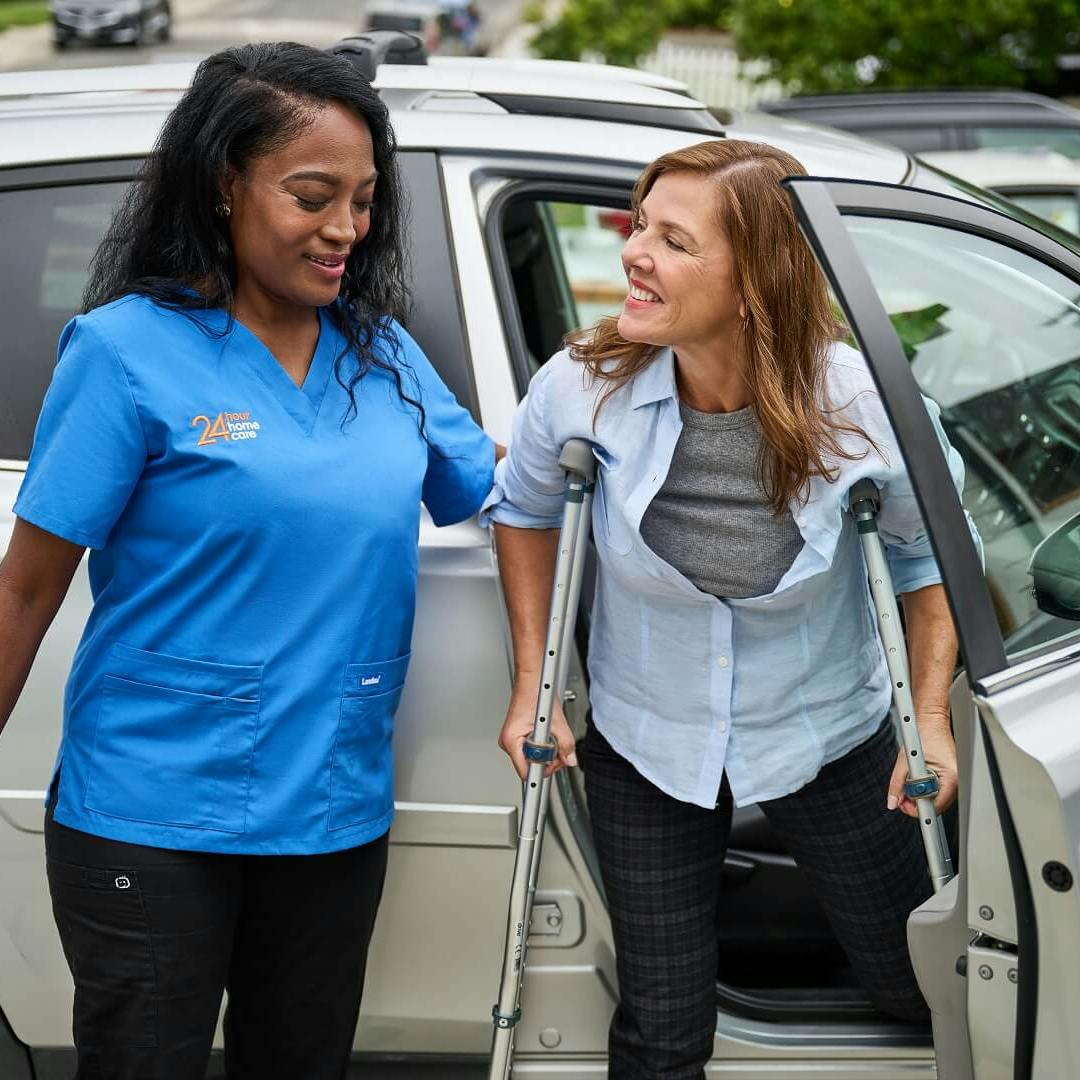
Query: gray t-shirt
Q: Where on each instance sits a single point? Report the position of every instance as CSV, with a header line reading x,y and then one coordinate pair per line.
x,y
711,520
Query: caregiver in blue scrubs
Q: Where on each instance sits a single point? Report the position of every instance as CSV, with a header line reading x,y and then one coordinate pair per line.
x,y
242,432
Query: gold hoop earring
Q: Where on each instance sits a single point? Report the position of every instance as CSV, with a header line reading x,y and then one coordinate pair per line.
x,y
223,209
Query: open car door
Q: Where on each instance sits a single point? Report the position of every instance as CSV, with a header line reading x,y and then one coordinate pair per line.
x,y
974,309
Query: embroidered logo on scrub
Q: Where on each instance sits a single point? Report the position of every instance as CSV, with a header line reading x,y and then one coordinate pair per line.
x,y
226,425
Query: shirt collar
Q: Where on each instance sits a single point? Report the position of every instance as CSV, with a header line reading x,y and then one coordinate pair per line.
x,y
655,382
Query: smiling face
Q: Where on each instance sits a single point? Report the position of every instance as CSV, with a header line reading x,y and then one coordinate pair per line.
x,y
679,265
299,210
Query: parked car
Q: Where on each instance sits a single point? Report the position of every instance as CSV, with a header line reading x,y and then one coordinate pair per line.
x,y
920,120
1044,183
412,16
519,182
128,22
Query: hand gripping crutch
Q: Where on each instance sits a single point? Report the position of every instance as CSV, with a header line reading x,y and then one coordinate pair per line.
x,y
540,749
922,785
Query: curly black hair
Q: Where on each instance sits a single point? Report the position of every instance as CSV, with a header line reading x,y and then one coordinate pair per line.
x,y
166,241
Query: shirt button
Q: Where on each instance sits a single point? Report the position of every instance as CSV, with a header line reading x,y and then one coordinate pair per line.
x,y
721,725
721,661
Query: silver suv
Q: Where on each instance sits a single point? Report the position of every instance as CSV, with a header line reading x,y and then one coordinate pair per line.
x,y
519,177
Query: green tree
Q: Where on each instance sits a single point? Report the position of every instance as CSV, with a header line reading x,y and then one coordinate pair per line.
x,y
846,44
619,31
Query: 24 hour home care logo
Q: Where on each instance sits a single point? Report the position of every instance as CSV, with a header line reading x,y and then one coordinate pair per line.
x,y
226,425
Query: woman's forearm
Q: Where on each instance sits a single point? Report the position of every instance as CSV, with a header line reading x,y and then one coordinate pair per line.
x,y
527,568
932,648
34,578
21,629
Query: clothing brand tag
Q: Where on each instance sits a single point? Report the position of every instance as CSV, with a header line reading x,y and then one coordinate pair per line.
x,y
371,680
123,882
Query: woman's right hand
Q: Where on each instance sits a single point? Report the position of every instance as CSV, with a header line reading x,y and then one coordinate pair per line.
x,y
518,727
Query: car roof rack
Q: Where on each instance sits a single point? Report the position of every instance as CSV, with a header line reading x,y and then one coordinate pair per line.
x,y
533,88
373,48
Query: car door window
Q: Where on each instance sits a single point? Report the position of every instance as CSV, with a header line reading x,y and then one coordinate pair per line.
x,y
993,336
564,259
1059,140
1059,207
50,234
915,140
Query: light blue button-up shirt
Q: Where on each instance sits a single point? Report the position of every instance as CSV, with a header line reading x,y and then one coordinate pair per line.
x,y
685,685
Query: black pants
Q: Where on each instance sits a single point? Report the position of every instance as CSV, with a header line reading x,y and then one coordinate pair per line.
x,y
153,936
661,861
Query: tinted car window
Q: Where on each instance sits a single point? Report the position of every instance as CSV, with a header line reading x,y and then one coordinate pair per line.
x,y
52,232
1064,141
1059,207
993,336
564,260
49,236
915,140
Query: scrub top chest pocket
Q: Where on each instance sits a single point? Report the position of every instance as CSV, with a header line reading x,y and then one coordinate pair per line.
x,y
361,776
174,740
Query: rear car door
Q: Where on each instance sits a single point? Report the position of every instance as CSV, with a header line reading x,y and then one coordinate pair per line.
x,y
454,835
981,313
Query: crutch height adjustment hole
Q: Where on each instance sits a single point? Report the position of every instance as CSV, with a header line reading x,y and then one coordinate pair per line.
x,y
899,685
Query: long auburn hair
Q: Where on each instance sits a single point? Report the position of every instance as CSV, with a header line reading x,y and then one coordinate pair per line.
x,y
789,323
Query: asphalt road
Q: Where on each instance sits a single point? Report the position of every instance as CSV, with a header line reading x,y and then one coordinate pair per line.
x,y
201,27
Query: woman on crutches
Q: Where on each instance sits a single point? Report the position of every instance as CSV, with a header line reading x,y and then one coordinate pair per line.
x,y
734,656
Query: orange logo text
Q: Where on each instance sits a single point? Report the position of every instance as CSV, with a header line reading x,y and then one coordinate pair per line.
x,y
226,425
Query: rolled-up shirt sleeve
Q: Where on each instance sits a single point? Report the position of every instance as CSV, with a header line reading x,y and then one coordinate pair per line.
x,y
529,484
900,523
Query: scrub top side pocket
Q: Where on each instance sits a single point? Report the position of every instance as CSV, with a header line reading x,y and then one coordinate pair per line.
x,y
174,740
361,773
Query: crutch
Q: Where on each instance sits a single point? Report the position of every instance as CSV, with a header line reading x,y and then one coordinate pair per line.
x,y
922,785
540,749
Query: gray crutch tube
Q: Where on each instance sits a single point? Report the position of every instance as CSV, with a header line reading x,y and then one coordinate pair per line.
x,y
922,785
540,749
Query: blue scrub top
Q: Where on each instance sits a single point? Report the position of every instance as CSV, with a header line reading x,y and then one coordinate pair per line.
x,y
253,571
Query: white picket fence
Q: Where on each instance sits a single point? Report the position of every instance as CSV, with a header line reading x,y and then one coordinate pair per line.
x,y
714,74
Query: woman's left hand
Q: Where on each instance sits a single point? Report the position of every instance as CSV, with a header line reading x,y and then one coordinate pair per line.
x,y
939,752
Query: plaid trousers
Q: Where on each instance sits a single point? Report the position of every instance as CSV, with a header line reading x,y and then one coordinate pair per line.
x,y
661,862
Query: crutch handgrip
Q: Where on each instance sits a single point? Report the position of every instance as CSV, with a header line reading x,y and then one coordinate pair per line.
x,y
923,787
577,457
542,752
